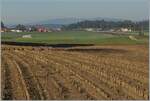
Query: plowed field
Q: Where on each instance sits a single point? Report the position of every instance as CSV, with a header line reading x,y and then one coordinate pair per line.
x,y
97,72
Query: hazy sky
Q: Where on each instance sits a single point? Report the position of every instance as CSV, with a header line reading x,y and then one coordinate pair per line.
x,y
25,11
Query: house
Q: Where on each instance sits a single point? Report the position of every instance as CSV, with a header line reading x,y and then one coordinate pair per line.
x,y
15,30
58,29
130,30
29,29
111,30
27,36
89,29
1,30
49,31
98,29
42,30
125,30
55,29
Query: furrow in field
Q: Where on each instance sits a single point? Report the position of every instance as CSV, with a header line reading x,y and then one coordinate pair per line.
x,y
140,78
8,93
30,81
103,79
33,68
132,87
3,61
53,63
61,74
7,86
109,60
52,81
19,88
84,75
61,81
60,65
42,74
93,66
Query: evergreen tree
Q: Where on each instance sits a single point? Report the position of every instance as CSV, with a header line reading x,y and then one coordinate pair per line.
x,y
2,25
21,27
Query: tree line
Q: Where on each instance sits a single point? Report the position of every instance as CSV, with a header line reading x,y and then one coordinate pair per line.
x,y
2,25
106,25
20,27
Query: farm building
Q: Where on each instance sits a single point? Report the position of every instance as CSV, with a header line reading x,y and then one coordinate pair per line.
x,y
89,29
42,30
98,29
1,30
125,30
15,30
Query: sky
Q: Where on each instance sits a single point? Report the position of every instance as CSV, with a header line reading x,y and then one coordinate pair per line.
x,y
27,11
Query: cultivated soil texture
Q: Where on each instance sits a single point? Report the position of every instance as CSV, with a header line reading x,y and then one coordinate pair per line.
x,y
96,72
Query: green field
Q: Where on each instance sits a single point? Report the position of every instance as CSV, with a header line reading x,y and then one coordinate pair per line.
x,y
72,37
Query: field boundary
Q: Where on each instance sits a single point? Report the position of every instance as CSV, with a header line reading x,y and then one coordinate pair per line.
x,y
43,44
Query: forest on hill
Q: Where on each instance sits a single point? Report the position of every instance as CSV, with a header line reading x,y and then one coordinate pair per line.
x,y
105,25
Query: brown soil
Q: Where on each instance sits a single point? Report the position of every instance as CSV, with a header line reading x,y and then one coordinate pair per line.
x,y
89,72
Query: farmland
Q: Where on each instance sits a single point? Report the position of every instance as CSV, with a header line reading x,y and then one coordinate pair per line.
x,y
100,72
73,37
74,65
75,50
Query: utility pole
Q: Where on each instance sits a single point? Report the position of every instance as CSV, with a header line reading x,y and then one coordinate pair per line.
x,y
141,32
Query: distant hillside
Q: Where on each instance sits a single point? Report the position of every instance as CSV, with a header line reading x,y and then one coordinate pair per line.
x,y
76,22
66,21
61,21
106,25
51,25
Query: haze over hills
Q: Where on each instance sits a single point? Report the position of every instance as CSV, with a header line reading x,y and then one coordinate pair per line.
x,y
58,22
65,21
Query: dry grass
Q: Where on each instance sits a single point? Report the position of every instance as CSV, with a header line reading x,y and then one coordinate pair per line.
x,y
97,72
